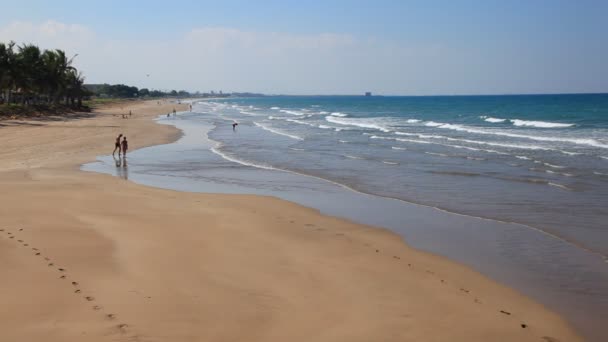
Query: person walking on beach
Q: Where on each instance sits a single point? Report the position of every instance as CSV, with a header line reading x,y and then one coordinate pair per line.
x,y
173,111
125,146
117,145
234,126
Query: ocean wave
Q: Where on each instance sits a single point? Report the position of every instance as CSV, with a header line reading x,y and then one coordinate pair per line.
x,y
299,122
338,114
413,121
247,113
492,120
539,124
600,173
272,130
291,112
216,150
561,186
343,141
437,154
577,141
275,108
363,123
399,148
554,166
352,157
325,127
433,124
518,146
390,162
523,157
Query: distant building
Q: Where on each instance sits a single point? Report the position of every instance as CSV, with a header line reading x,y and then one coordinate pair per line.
x,y
368,93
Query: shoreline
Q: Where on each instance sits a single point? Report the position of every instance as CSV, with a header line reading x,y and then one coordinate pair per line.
x,y
358,275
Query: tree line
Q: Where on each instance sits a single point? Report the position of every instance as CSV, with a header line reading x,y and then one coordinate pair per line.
x,y
31,76
125,91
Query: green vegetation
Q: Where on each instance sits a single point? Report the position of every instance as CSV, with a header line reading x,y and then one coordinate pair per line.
x,y
121,91
38,78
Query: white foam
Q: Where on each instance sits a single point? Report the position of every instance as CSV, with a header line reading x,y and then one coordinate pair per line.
x,y
398,148
413,121
338,114
523,157
554,166
390,162
578,141
352,157
343,141
325,127
600,173
240,161
247,113
437,154
363,123
275,131
433,124
290,112
539,124
275,108
493,120
560,186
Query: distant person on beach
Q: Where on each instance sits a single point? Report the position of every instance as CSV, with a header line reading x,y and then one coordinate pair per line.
x,y
125,146
117,145
130,113
173,111
234,126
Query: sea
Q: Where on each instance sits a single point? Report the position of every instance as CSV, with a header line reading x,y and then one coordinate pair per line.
x,y
514,186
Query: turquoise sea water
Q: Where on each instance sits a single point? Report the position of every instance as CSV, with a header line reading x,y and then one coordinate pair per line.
x,y
539,160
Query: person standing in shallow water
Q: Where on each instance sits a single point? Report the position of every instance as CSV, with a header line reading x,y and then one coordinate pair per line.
x,y
117,145
125,146
234,126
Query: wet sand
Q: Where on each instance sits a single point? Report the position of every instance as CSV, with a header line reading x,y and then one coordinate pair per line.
x,y
93,257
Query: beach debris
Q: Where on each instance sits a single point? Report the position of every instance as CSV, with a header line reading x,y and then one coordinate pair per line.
x,y
505,312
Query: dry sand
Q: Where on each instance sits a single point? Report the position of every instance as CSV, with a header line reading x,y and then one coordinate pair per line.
x,y
91,257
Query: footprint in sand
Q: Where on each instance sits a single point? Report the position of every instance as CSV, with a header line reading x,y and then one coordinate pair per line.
x,y
51,264
77,291
505,312
74,283
61,269
110,316
96,307
89,298
38,253
62,277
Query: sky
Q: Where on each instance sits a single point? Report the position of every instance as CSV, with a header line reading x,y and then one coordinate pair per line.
x,y
326,47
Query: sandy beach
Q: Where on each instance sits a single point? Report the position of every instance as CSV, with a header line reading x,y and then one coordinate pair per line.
x,y
91,257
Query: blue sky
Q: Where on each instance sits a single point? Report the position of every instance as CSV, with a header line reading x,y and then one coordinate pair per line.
x,y
309,47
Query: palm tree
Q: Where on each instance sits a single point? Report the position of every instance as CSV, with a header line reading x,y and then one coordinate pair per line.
x,y
7,69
